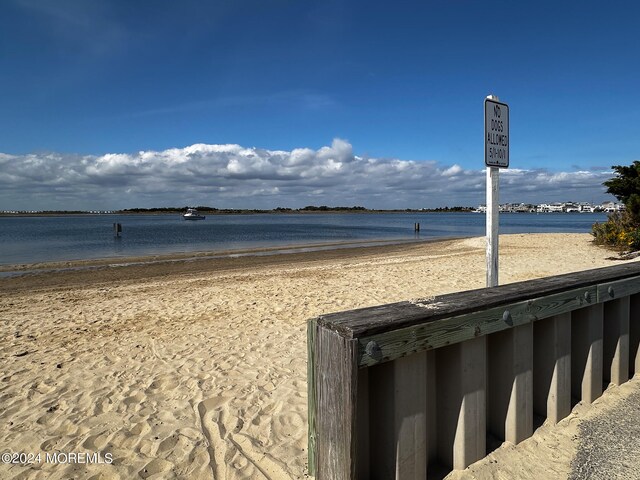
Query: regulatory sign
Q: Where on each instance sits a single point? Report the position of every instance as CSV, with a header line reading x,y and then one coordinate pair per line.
x,y
496,134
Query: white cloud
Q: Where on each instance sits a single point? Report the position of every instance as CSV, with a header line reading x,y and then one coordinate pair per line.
x,y
238,177
453,170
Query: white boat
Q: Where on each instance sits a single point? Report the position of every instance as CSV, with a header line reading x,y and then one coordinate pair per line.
x,y
192,214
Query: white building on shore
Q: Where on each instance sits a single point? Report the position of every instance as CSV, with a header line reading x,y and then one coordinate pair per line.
x,y
557,207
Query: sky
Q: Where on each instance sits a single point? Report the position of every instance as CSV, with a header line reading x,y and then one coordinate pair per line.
x,y
112,104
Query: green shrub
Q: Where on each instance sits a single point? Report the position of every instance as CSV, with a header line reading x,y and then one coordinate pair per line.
x,y
619,231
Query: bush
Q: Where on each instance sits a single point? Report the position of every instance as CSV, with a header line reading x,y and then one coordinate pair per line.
x,y
619,231
622,230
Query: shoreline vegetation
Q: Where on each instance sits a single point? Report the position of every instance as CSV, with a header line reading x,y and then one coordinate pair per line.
x,y
235,211
621,231
311,209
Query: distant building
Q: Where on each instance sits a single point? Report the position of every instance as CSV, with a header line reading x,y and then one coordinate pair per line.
x,y
557,207
586,207
570,207
550,207
611,207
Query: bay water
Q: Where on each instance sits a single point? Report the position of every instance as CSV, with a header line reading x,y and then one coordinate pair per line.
x,y
33,239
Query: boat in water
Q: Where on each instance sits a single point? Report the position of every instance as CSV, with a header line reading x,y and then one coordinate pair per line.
x,y
192,214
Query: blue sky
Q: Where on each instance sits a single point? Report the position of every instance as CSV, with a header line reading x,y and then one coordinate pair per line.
x,y
396,82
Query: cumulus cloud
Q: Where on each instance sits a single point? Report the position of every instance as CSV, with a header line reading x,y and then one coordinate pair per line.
x,y
233,176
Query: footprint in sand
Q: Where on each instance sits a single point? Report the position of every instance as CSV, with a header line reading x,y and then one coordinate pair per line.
x,y
233,449
211,412
125,439
163,383
103,406
51,444
97,442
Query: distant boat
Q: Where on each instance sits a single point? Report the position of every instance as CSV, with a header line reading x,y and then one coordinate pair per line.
x,y
192,214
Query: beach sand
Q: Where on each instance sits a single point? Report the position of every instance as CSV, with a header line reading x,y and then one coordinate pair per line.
x,y
197,369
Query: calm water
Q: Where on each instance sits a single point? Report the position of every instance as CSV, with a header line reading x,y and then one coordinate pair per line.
x,y
40,239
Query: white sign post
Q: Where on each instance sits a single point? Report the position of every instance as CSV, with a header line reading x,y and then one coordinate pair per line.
x,y
496,156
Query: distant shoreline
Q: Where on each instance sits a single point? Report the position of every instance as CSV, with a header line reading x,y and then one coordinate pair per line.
x,y
260,212
247,212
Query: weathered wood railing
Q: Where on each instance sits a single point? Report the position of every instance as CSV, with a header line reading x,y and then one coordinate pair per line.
x,y
410,387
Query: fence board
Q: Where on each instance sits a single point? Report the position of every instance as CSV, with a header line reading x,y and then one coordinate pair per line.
x,y
618,289
372,320
398,343
336,383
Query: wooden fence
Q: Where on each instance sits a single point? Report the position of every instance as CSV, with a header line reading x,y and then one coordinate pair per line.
x,y
411,389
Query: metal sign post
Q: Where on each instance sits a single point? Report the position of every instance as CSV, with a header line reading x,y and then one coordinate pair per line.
x,y
496,156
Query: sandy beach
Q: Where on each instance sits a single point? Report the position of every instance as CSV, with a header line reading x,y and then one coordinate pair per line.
x,y
197,369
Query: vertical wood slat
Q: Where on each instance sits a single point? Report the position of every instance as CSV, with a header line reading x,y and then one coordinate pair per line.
x,y
399,415
382,453
461,400
552,367
510,380
363,459
448,401
470,442
586,353
410,412
432,411
336,380
634,334
311,395
519,421
616,341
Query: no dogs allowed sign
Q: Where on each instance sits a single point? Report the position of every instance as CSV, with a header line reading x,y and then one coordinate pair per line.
x,y
496,134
